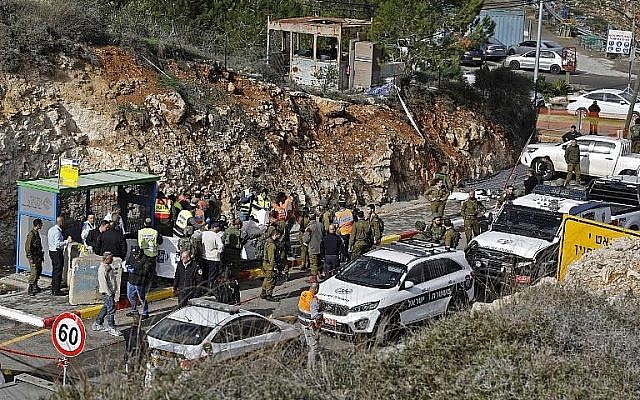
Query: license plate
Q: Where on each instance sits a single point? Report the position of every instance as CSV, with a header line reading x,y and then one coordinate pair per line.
x,y
525,279
476,58
330,322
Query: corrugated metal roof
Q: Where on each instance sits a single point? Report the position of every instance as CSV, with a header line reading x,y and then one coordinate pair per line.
x,y
91,180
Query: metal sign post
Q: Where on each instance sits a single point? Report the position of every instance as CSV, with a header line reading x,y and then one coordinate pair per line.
x,y
64,363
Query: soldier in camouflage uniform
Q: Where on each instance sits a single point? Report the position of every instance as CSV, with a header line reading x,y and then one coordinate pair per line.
x,y
327,217
436,230
471,209
451,235
420,227
303,223
443,175
269,262
437,194
508,195
359,240
35,255
377,226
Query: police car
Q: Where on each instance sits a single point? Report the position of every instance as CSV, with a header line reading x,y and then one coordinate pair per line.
x,y
394,286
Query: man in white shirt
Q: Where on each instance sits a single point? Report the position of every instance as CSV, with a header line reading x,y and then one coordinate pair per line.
x,y
213,246
88,226
57,244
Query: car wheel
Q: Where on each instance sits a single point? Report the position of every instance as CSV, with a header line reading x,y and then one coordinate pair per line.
x,y
459,302
555,69
512,52
514,65
543,168
387,330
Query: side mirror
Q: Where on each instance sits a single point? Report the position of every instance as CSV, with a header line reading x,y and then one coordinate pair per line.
x,y
206,346
407,285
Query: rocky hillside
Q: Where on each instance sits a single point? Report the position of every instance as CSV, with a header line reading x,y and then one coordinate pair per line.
x,y
195,125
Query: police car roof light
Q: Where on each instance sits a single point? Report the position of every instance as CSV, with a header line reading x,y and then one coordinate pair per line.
x,y
213,303
560,191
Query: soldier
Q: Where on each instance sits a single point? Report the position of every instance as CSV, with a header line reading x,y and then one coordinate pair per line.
x,y
420,227
303,222
436,230
269,262
234,240
35,255
592,115
470,210
635,136
313,239
377,225
437,194
508,195
359,240
451,235
572,157
327,217
443,175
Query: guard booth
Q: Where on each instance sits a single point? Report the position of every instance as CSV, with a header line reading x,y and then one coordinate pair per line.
x,y
96,192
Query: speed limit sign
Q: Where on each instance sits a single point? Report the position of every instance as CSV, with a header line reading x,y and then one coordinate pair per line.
x,y
68,334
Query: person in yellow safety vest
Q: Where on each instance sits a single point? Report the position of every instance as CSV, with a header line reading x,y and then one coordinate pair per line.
x,y
149,240
310,317
185,218
162,214
343,219
263,200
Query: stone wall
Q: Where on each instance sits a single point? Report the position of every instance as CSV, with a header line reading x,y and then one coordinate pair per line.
x,y
223,132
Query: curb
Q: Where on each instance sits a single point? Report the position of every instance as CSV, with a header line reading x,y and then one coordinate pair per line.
x,y
87,312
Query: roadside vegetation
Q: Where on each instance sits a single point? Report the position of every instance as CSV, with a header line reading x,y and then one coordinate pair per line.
x,y
552,343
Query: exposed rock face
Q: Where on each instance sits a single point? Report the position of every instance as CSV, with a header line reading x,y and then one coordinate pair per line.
x,y
237,132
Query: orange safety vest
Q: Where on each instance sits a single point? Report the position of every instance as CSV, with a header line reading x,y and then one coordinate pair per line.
x,y
345,221
162,211
282,212
304,306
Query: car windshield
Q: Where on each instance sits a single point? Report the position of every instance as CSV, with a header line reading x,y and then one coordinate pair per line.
x,y
372,272
526,221
174,331
626,96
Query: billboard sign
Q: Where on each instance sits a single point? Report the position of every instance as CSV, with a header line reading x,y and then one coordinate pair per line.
x,y
619,42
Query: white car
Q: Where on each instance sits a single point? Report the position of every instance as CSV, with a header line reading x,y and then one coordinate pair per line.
x,y
613,103
550,60
394,286
206,328
599,156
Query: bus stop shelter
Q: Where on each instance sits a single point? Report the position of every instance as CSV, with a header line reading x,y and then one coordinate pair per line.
x,y
97,192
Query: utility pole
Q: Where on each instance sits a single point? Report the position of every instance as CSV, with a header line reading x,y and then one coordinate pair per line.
x,y
538,42
636,86
632,54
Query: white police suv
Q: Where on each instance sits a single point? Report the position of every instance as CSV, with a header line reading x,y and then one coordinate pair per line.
x,y
394,286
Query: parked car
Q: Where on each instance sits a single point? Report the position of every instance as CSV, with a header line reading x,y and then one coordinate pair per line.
x,y
600,156
394,286
494,49
473,57
206,328
549,61
529,45
614,103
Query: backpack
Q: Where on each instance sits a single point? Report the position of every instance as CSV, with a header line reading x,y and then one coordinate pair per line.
x,y
260,242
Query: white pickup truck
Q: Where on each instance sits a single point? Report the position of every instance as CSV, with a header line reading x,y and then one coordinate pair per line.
x,y
522,244
599,156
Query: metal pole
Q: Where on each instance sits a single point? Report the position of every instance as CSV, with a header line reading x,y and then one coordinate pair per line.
x,y
65,362
634,97
538,41
632,54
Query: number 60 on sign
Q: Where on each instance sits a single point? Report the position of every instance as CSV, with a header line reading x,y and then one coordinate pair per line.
x,y
68,334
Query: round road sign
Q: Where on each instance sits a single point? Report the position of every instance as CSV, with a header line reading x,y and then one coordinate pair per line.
x,y
68,334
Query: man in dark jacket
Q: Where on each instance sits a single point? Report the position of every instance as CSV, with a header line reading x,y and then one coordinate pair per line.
x,y
593,113
332,247
572,157
187,279
35,255
140,275
92,238
113,241
530,181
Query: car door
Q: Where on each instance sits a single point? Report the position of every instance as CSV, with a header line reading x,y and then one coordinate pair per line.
x,y
443,274
528,60
547,59
614,106
585,149
414,305
601,159
245,334
526,46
